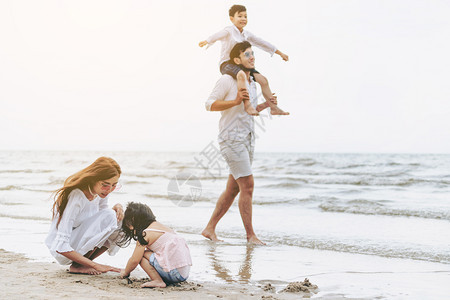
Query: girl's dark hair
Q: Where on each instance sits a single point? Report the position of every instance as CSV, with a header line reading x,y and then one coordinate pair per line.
x,y
139,216
236,9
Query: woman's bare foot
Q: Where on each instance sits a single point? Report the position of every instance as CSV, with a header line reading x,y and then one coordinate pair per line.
x,y
153,284
255,240
211,235
275,110
250,109
80,269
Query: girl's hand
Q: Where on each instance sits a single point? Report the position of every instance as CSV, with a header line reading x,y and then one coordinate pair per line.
x,y
105,268
119,212
123,274
203,43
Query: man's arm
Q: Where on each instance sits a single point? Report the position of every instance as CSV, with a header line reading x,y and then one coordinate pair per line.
x,y
265,105
220,105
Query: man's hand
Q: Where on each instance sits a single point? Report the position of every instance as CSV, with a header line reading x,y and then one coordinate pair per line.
x,y
241,96
203,43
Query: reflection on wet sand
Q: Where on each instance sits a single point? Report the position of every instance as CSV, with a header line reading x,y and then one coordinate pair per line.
x,y
245,268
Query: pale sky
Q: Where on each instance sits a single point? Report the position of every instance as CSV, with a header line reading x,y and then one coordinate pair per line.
x,y
363,76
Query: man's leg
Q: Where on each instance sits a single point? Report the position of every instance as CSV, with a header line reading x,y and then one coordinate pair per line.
x,y
222,206
246,185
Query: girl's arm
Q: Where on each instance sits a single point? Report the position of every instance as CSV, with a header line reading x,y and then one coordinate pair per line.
x,y
134,260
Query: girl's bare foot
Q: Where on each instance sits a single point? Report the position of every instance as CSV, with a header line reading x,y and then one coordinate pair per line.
x,y
250,109
255,240
211,235
153,284
79,269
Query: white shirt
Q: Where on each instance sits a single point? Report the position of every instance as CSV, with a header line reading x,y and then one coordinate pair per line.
x,y
230,36
77,210
235,124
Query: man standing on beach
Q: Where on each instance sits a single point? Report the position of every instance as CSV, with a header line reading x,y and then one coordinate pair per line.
x,y
236,140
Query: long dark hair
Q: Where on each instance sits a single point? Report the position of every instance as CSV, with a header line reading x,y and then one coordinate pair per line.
x,y
101,169
140,216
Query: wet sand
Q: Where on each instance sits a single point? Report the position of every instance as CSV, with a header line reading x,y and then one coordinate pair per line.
x,y
24,279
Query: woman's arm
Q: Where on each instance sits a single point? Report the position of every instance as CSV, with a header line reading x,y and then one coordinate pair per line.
x,y
78,258
134,260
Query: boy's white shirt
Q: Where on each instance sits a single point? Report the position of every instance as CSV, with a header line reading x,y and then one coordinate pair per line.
x,y
230,36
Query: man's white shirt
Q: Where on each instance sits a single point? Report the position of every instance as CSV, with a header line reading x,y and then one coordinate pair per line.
x,y
235,124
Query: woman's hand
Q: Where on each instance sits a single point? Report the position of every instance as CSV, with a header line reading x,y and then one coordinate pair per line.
x,y
119,212
105,268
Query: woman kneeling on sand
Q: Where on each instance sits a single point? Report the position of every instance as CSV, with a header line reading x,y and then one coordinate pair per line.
x,y
83,226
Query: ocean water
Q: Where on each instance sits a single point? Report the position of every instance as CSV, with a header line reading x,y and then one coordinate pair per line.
x,y
351,223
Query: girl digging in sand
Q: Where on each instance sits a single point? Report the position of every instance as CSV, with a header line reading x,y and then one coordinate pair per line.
x,y
83,226
162,254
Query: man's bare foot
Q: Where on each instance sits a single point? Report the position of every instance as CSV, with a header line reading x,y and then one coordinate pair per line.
x,y
278,111
211,235
250,109
255,240
153,284
79,269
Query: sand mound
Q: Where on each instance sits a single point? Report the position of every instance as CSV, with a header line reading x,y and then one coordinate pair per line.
x,y
296,287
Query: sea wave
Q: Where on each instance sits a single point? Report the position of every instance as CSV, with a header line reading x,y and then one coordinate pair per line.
x,y
366,207
26,171
33,218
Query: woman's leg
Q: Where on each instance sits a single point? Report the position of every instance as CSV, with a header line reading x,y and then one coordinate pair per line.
x,y
151,272
267,93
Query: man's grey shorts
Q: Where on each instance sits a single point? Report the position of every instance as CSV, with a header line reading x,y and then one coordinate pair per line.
x,y
239,156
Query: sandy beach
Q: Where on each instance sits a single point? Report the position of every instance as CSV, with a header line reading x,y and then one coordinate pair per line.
x,y
24,279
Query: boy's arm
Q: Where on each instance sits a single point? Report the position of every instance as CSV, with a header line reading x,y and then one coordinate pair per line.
x,y
265,45
134,260
214,38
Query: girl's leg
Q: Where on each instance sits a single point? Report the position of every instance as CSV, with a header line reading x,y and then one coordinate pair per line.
x,y
241,78
267,93
151,272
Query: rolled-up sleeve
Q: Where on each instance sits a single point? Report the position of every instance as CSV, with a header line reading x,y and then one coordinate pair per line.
x,y
260,43
61,243
219,92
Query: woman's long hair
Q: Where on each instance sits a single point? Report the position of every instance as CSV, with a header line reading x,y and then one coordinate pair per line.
x,y
102,168
139,216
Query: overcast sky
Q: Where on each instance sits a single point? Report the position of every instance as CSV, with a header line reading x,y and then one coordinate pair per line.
x,y
363,76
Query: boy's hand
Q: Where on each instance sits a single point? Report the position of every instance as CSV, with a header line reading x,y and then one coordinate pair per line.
x,y
203,43
284,57
241,95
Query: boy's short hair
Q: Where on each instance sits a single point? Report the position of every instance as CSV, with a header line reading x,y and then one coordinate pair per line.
x,y
236,9
238,49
